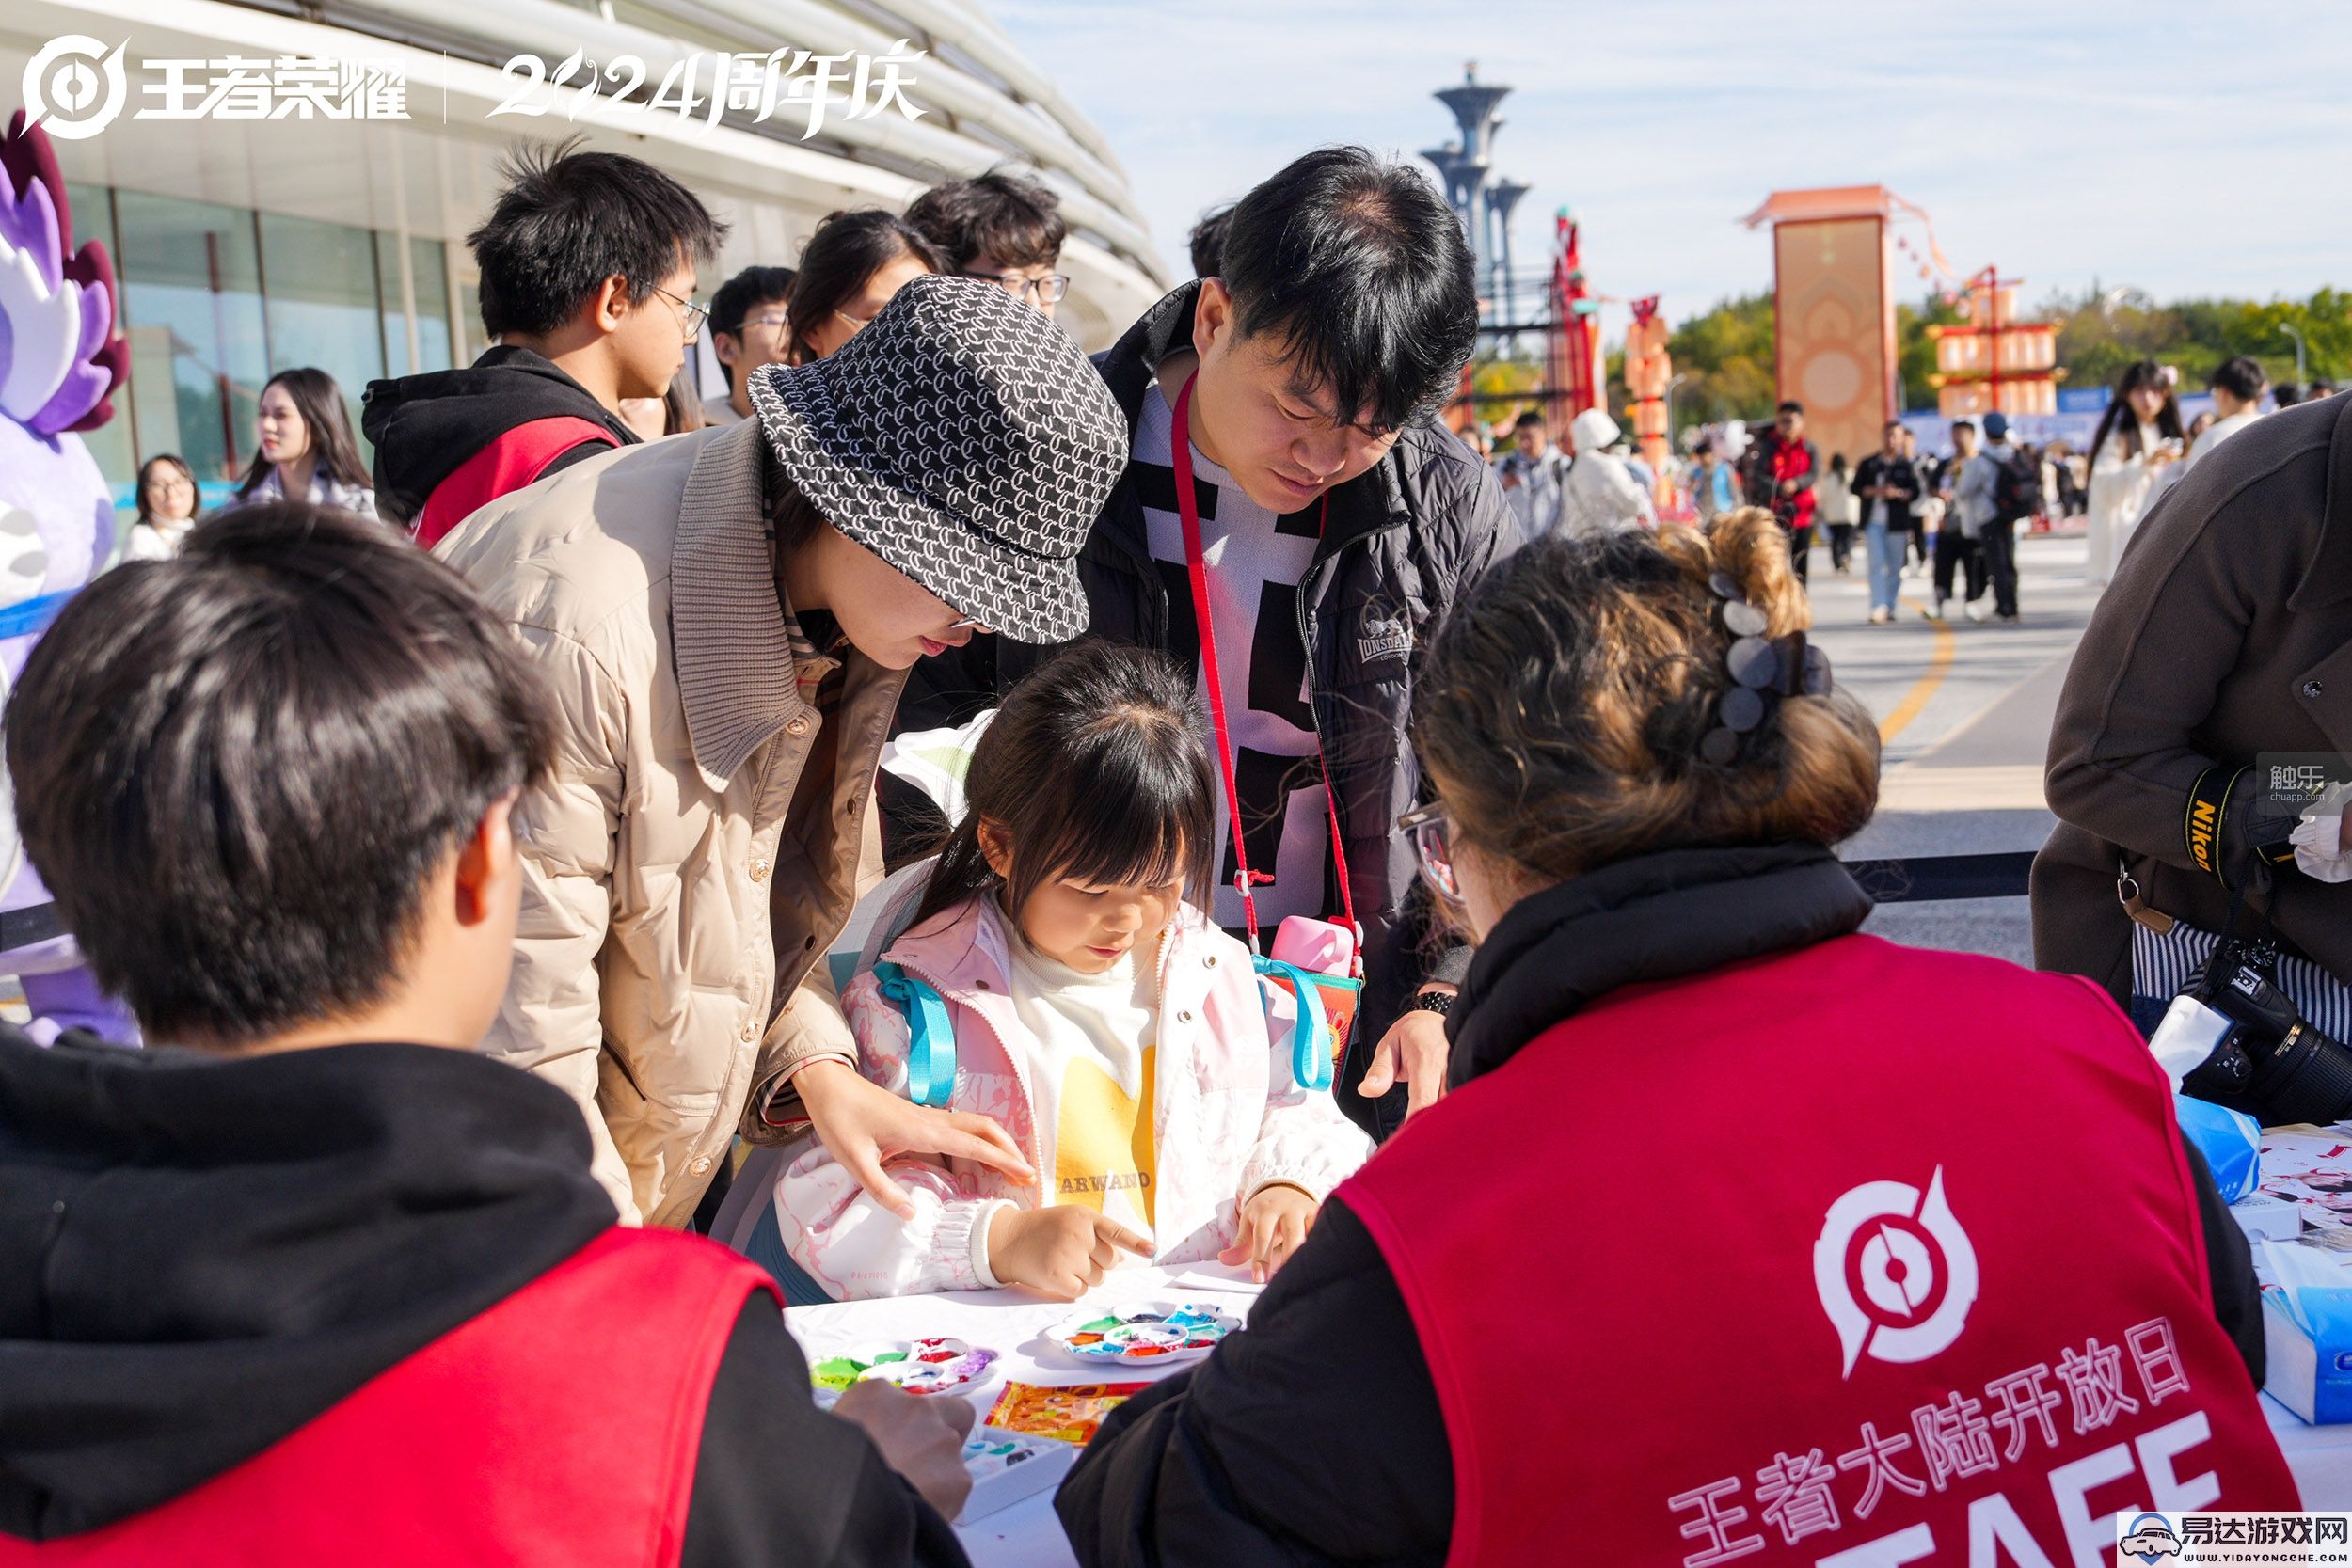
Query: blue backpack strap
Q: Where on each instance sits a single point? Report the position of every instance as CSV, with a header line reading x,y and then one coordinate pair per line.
x,y
1311,1036
931,1035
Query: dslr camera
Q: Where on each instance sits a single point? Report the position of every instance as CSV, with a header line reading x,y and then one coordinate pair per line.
x,y
2237,1039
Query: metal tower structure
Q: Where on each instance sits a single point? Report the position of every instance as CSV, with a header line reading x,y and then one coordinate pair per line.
x,y
1501,197
1474,105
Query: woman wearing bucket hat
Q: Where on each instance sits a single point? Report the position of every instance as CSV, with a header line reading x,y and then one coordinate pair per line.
x,y
727,619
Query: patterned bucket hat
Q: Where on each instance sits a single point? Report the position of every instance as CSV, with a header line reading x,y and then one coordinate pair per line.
x,y
962,437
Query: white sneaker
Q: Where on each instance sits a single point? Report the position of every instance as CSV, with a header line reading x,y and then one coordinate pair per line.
x,y
1979,611
1936,614
1881,617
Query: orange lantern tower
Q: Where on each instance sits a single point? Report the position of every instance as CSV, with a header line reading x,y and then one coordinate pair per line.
x,y
1647,373
1996,361
1834,310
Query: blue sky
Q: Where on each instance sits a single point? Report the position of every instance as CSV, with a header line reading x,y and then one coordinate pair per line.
x,y
2183,150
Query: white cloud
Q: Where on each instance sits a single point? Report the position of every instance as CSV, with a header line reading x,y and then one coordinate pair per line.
x,y
2188,150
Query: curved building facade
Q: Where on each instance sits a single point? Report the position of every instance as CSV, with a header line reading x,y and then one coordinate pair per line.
x,y
257,236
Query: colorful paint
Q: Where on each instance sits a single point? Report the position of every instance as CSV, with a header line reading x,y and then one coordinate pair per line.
x,y
918,1366
1068,1415
1161,1332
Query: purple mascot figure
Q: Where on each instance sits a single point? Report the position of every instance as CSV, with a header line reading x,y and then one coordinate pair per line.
x,y
60,362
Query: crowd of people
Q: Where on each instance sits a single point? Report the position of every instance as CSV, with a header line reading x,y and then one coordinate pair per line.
x,y
471,847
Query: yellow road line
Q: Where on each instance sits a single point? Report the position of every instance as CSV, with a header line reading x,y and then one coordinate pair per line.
x,y
1939,665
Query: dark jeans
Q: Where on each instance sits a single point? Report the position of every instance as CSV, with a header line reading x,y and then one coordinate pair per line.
x,y
1953,550
1800,547
1840,545
1918,532
1999,542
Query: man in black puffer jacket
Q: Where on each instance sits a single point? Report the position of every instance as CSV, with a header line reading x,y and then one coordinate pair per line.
x,y
1338,522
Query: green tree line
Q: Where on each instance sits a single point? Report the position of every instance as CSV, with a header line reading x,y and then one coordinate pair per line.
x,y
1725,354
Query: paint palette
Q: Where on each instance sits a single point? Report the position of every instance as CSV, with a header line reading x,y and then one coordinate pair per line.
x,y
1155,1333
917,1366
1006,1466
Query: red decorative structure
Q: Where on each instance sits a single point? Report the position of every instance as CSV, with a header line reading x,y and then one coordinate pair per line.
x,y
1573,359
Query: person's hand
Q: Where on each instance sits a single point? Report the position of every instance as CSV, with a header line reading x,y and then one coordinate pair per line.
x,y
1510,478
2163,454
1063,1251
1415,1050
1272,1224
863,1126
920,1435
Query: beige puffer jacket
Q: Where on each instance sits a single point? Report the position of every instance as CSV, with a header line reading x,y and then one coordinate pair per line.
x,y
675,902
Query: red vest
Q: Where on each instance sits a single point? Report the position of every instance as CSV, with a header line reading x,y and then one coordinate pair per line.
x,y
559,1428
514,460
1854,1245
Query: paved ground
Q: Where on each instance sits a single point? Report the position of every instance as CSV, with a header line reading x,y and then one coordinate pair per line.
x,y
1965,710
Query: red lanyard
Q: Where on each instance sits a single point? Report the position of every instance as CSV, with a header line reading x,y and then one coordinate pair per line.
x,y
1188,510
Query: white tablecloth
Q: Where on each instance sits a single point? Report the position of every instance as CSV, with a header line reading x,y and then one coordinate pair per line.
x,y
1028,1534
1013,1324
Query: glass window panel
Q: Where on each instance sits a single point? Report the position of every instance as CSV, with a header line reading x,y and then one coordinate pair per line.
x,y
112,444
428,282
324,309
192,305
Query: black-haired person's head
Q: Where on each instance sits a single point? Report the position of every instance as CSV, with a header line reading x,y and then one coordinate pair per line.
x,y
1000,226
300,418
1098,862
268,781
750,325
2143,395
1532,433
1565,707
1788,418
594,252
2321,388
2286,394
1343,309
2241,381
166,491
1207,240
850,268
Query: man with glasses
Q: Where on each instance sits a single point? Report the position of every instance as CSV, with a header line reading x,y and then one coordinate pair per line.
x,y
587,286
1326,521
1000,228
748,327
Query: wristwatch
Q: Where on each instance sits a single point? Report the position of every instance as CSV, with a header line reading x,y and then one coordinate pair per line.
x,y
1439,1001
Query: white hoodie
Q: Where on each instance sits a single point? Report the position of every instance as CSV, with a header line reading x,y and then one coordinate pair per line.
x,y
1601,494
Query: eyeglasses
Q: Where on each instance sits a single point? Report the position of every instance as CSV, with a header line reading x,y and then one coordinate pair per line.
x,y
689,314
1428,828
779,321
1049,291
857,323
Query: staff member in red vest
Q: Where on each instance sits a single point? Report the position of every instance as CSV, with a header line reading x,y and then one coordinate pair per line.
x,y
315,1282
1703,1259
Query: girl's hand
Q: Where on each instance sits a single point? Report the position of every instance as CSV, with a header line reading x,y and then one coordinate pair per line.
x,y
1063,1251
863,1126
1272,1224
